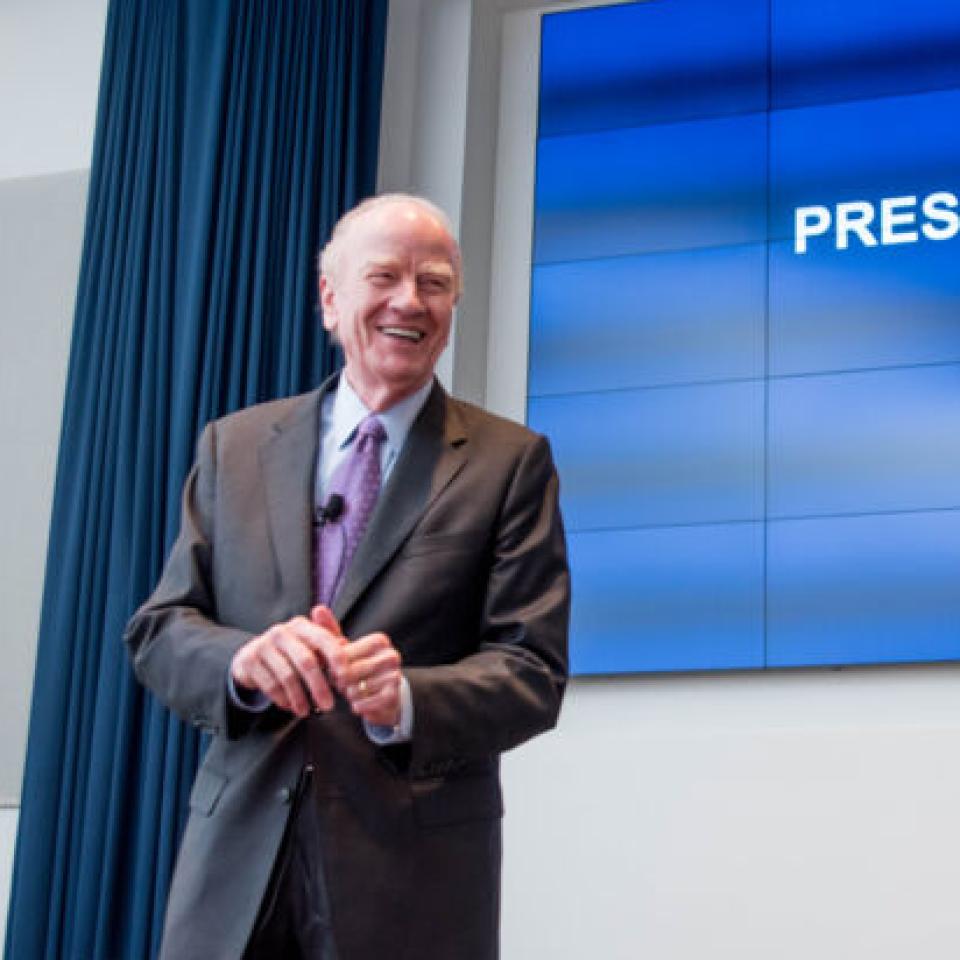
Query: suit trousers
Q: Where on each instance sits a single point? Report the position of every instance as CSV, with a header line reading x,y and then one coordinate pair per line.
x,y
294,920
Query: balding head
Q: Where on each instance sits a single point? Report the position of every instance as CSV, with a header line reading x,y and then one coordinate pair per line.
x,y
331,256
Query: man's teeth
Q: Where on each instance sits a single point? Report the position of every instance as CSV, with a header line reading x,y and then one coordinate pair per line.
x,y
404,333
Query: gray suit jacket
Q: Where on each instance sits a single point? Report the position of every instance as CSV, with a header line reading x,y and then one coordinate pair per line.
x,y
464,567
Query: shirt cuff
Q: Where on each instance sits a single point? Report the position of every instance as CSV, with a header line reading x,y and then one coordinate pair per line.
x,y
252,701
403,731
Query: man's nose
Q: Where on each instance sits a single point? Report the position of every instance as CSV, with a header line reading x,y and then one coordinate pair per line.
x,y
406,297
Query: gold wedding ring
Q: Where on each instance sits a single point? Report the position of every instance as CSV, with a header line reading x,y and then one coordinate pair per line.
x,y
362,687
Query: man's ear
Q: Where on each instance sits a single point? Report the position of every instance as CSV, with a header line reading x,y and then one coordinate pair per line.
x,y
328,306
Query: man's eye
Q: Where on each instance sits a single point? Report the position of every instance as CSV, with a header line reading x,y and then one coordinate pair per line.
x,y
381,276
435,284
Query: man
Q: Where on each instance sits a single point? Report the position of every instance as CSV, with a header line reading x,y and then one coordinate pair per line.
x,y
367,603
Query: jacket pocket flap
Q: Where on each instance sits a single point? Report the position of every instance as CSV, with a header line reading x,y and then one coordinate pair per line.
x,y
206,791
434,542
440,802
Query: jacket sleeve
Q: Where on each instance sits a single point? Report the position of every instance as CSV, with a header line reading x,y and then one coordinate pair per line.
x,y
178,649
509,689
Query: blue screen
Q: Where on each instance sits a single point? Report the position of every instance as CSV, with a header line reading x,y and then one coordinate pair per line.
x,y
745,329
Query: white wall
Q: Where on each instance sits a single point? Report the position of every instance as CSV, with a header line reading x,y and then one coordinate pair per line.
x,y
787,814
50,52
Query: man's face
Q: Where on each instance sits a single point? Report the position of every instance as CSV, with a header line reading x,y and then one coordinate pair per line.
x,y
390,301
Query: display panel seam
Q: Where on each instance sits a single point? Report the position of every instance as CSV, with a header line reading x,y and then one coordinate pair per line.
x,y
773,110
644,387
768,518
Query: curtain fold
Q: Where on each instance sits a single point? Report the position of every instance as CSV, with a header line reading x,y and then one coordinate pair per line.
x,y
230,137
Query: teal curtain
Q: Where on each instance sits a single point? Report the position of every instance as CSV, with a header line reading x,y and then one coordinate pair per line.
x,y
230,136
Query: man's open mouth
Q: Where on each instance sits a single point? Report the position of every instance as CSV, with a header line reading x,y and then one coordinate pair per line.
x,y
403,333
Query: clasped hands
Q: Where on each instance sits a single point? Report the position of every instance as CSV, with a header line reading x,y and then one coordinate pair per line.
x,y
301,663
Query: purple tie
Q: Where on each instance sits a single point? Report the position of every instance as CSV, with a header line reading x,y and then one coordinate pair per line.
x,y
357,480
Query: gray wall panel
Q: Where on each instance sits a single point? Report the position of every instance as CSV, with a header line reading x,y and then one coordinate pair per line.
x,y
41,231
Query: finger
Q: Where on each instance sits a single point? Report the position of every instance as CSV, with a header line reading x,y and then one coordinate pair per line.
x,y
375,675
323,617
350,661
324,642
240,671
384,703
371,684
286,679
246,670
374,671
263,680
369,644
381,708
308,667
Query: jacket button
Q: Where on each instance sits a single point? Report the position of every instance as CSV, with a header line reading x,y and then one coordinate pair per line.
x,y
284,794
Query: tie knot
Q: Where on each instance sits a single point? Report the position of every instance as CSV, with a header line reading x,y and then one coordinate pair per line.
x,y
371,430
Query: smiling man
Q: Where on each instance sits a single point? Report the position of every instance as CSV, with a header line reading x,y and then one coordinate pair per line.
x,y
367,604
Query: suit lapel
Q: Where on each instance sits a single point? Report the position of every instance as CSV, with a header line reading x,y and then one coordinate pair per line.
x,y
432,456
288,460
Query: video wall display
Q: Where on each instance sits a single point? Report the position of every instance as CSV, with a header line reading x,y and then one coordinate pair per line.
x,y
745,329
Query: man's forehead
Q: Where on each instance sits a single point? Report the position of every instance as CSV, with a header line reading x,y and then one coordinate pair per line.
x,y
393,244
399,224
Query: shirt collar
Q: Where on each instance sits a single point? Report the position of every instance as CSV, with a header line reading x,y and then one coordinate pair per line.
x,y
349,412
